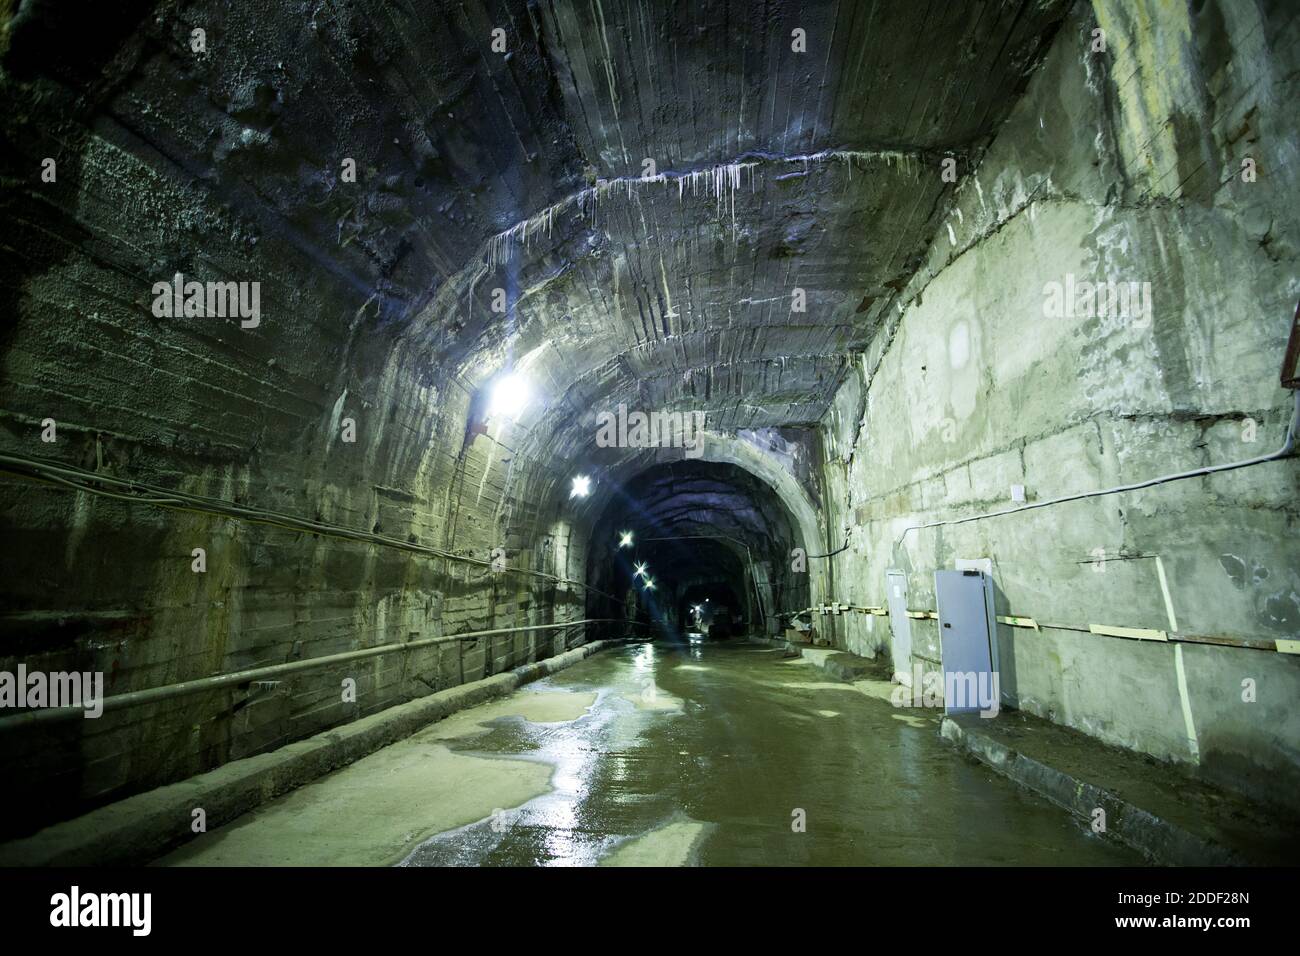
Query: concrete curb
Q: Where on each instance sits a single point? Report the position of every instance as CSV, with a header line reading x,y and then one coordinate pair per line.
x,y
840,665
1154,837
143,827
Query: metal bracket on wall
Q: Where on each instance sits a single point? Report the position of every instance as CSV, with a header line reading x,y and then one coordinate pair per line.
x,y
1291,361
1136,633
1018,621
253,692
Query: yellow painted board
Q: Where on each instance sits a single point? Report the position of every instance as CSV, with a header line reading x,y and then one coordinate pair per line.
x,y
1288,647
1018,621
1137,633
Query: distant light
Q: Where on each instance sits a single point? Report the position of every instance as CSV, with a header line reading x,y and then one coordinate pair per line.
x,y
581,487
639,570
625,539
706,600
649,584
510,395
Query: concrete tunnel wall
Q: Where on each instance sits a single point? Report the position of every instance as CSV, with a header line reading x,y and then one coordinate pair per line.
x,y
268,595
252,416
1097,173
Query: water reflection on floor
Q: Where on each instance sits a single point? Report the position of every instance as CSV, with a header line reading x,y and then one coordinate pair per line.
x,y
715,753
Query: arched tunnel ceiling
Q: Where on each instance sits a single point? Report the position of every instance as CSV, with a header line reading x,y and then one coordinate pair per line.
x,y
773,171
686,498
480,170
677,294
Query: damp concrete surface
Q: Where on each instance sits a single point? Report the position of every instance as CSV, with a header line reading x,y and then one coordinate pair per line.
x,y
670,753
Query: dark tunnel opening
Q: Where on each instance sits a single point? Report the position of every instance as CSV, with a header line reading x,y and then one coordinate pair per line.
x,y
684,528
712,609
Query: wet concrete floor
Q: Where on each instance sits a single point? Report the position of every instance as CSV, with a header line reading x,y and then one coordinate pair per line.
x,y
669,753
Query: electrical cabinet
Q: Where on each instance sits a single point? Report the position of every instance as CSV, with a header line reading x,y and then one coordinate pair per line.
x,y
968,641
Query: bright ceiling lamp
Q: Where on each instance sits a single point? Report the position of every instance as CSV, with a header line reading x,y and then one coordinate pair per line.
x,y
510,395
625,539
581,487
639,570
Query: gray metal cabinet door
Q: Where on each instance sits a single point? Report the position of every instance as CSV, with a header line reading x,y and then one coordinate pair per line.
x,y
968,662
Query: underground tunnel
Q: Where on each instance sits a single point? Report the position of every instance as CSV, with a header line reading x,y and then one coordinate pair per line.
x,y
769,433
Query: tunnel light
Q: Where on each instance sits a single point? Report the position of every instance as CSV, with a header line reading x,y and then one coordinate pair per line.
x,y
510,395
581,487
638,570
625,539
649,584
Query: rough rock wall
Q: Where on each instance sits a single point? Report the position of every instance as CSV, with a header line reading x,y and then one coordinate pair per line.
x,y
255,416
1124,165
